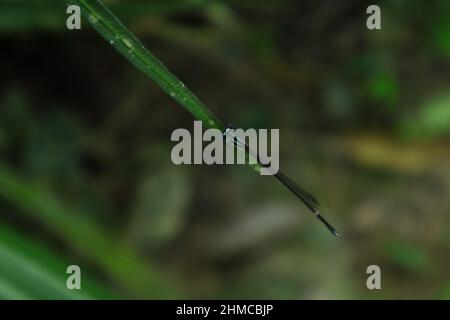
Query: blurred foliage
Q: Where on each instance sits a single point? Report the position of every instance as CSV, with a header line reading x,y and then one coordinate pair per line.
x,y
86,176
29,271
432,120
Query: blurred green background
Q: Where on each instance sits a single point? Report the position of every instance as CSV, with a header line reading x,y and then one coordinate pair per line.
x,y
364,118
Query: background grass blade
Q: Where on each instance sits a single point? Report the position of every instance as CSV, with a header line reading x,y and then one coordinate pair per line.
x,y
117,258
29,270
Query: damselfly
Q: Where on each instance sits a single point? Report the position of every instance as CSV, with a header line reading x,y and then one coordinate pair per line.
x,y
308,199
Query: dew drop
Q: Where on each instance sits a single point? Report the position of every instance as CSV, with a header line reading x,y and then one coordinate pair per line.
x,y
127,42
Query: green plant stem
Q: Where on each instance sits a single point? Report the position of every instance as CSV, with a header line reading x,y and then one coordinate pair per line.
x,y
110,27
113,30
